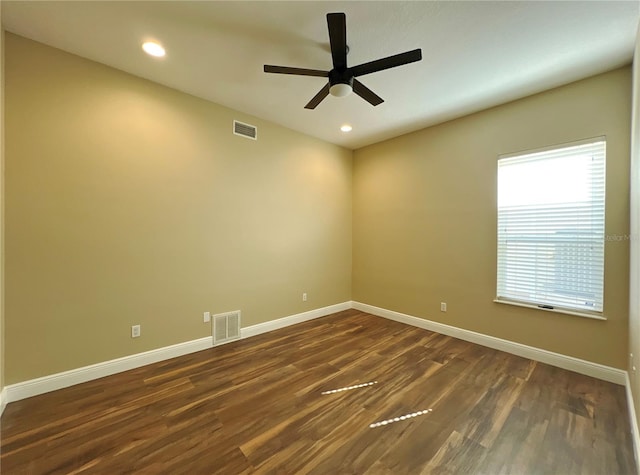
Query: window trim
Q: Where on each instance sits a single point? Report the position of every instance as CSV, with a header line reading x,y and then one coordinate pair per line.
x,y
596,315
573,143
564,311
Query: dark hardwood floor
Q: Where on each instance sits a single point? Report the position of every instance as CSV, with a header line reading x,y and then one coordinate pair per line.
x,y
437,405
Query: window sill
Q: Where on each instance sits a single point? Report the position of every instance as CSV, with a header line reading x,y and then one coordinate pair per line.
x,y
555,310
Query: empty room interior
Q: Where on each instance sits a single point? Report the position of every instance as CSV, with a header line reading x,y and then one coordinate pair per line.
x,y
320,237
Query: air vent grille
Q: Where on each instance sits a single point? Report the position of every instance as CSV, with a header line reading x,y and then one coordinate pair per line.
x,y
226,327
245,130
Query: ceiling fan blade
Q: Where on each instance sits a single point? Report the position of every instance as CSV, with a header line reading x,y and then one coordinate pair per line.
x,y
297,71
317,99
366,93
386,63
337,23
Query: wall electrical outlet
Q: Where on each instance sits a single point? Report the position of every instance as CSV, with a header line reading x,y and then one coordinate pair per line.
x,y
443,306
207,317
304,297
135,331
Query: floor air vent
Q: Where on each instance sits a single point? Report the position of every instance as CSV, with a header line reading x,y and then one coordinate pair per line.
x,y
226,327
245,130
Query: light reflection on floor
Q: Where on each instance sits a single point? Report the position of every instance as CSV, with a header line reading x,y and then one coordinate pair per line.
x,y
400,418
333,391
387,421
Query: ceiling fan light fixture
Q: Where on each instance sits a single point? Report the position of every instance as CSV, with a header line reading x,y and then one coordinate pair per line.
x,y
340,90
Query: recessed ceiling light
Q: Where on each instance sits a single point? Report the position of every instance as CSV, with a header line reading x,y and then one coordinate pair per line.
x,y
346,128
154,49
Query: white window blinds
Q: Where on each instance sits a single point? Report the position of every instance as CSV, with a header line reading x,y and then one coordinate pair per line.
x,y
551,227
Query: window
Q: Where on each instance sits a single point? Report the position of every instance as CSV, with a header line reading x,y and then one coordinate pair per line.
x,y
551,227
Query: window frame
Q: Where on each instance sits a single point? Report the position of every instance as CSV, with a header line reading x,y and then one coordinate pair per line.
x,y
547,306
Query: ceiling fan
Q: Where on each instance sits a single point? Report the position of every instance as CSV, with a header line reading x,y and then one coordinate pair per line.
x,y
342,79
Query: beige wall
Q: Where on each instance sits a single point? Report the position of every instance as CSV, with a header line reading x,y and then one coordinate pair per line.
x,y
634,284
128,202
424,223
2,346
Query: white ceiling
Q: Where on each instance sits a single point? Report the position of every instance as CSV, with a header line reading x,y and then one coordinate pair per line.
x,y
476,54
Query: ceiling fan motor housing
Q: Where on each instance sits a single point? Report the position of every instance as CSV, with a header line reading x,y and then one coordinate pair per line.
x,y
341,83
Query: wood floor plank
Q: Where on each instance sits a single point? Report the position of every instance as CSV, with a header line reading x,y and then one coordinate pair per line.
x,y
458,455
256,406
487,417
517,447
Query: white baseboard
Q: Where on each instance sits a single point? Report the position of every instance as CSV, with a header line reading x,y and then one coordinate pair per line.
x,y
265,327
3,400
34,387
606,373
635,433
45,384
